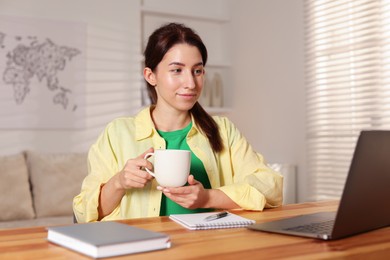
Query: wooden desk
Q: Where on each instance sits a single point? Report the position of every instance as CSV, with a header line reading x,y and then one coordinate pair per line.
x,y
237,243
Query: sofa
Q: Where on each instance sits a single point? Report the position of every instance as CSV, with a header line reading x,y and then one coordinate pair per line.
x,y
37,189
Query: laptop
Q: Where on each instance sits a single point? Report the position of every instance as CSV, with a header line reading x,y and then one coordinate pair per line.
x,y
364,204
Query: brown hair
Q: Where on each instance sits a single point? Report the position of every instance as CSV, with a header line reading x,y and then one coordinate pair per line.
x,y
160,41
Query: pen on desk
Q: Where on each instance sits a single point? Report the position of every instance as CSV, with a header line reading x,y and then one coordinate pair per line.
x,y
216,216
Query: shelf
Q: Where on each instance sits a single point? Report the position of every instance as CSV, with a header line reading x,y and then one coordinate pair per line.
x,y
218,64
155,11
218,110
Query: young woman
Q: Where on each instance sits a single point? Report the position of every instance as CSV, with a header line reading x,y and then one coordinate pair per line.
x,y
225,173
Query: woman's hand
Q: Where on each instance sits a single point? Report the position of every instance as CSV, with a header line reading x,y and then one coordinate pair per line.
x,y
192,196
133,174
196,196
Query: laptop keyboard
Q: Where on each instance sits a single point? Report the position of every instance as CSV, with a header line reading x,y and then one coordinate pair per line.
x,y
315,228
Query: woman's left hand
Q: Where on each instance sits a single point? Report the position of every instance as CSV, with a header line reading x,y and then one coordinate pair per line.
x,y
192,196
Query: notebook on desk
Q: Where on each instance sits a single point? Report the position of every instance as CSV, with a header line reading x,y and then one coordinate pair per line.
x,y
364,204
197,221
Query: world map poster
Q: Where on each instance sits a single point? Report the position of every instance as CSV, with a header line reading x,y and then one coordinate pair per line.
x,y
42,73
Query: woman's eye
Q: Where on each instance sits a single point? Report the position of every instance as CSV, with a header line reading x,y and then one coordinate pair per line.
x,y
176,70
198,72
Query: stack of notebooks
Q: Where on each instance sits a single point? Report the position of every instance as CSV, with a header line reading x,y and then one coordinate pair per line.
x,y
198,221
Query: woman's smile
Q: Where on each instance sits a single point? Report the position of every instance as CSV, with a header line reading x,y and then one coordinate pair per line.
x,y
187,95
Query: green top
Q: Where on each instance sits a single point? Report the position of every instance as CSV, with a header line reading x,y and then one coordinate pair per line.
x,y
178,140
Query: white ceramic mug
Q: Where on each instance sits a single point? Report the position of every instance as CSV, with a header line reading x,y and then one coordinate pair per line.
x,y
171,167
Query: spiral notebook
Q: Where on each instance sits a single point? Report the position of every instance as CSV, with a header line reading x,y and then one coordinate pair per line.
x,y
197,221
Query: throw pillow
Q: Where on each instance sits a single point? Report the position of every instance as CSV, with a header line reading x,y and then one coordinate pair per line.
x,y
55,180
15,199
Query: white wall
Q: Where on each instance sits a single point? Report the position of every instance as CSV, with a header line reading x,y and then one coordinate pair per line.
x,y
268,79
113,75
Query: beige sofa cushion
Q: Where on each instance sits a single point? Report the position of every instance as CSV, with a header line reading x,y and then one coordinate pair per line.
x,y
15,199
55,180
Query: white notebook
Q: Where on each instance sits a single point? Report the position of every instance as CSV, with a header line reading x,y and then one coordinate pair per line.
x,y
197,221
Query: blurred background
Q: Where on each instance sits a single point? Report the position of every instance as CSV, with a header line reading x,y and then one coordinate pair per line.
x,y
286,72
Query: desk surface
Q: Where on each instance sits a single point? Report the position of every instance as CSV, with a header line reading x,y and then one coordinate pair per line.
x,y
236,243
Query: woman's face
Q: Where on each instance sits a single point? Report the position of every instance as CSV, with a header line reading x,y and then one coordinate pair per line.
x,y
179,77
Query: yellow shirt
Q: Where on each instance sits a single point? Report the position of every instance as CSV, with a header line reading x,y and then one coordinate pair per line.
x,y
238,170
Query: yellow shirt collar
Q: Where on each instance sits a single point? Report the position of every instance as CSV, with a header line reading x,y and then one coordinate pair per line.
x,y
145,127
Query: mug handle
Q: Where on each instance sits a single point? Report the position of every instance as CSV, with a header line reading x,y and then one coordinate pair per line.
x,y
149,171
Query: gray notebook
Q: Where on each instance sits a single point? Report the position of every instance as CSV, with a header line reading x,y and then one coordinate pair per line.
x,y
105,239
364,202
